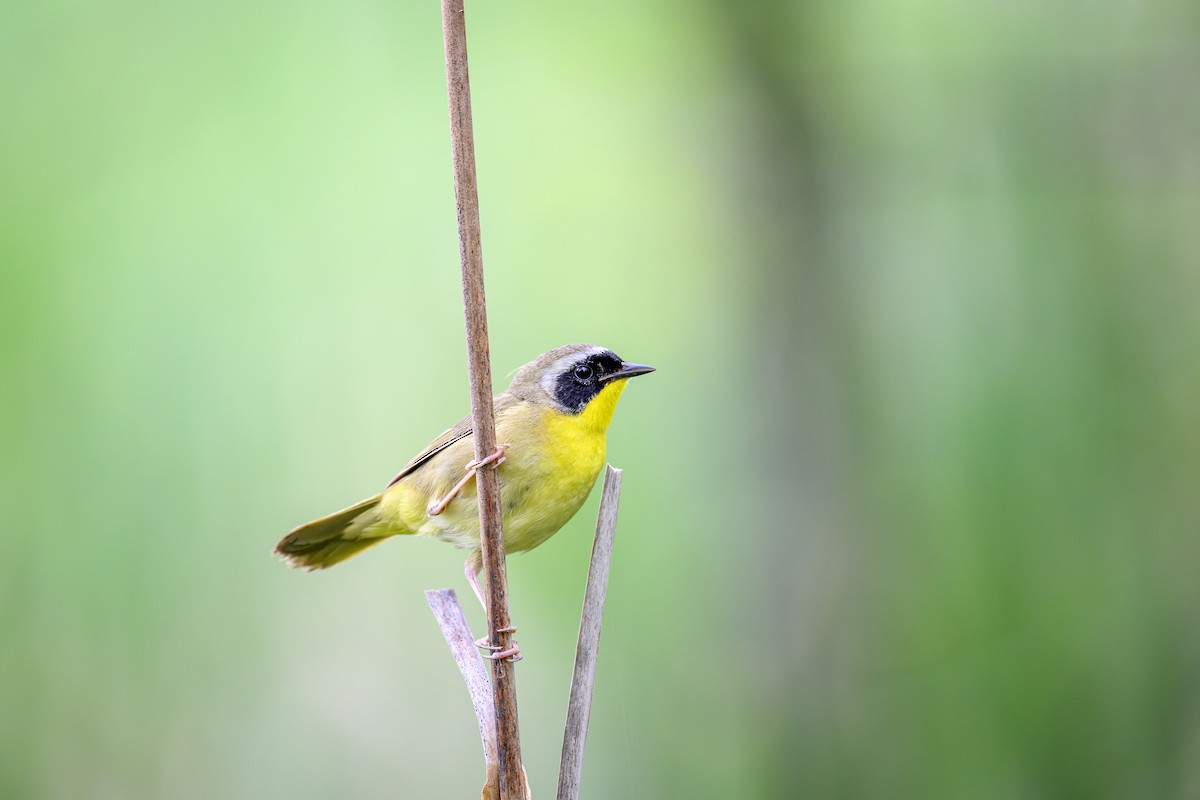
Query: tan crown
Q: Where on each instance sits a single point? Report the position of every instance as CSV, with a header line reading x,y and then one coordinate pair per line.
x,y
535,381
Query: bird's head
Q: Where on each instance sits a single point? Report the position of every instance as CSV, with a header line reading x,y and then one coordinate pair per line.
x,y
583,379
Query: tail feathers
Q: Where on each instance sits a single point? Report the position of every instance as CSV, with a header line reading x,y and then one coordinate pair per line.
x,y
330,540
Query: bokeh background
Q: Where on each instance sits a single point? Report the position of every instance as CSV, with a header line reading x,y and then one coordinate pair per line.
x,y
911,507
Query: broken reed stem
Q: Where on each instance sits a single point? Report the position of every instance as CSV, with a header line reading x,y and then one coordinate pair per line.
x,y
458,87
450,618
584,679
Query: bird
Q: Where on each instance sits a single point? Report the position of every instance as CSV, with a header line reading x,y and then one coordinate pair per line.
x,y
551,422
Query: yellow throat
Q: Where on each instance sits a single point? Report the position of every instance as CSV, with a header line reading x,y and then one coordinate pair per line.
x,y
599,412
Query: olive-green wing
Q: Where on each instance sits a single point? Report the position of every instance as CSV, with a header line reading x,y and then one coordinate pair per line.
x,y
463,429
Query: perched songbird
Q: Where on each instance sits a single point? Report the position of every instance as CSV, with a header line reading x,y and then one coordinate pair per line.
x,y
551,423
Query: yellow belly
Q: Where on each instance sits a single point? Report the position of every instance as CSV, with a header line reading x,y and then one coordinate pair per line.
x,y
550,468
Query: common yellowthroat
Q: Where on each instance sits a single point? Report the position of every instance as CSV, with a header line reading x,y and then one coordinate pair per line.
x,y
551,423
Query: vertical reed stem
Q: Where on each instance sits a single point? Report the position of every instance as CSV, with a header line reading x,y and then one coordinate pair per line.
x,y
512,781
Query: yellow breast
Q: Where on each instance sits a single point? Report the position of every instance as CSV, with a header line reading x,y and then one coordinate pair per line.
x,y
541,494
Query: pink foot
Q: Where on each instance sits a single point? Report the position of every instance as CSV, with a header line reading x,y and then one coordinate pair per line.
x,y
513,653
496,458
482,641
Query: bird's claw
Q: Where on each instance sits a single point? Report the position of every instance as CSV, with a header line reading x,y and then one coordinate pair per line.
x,y
497,458
512,654
482,641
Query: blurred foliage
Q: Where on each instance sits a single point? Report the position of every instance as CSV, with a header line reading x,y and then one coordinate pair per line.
x,y
910,509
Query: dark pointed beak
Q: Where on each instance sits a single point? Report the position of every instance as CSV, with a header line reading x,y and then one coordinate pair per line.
x,y
628,370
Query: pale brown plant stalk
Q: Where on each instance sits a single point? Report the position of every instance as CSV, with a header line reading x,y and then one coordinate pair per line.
x,y
504,687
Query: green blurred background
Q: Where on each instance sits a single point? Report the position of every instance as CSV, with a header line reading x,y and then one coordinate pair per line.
x,y
910,509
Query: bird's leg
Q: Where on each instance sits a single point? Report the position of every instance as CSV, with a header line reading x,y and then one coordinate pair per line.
x,y
496,458
471,570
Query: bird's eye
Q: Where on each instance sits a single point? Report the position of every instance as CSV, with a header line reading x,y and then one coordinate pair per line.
x,y
583,372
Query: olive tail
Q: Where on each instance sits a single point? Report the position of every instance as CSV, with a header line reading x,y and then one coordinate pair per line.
x,y
332,539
